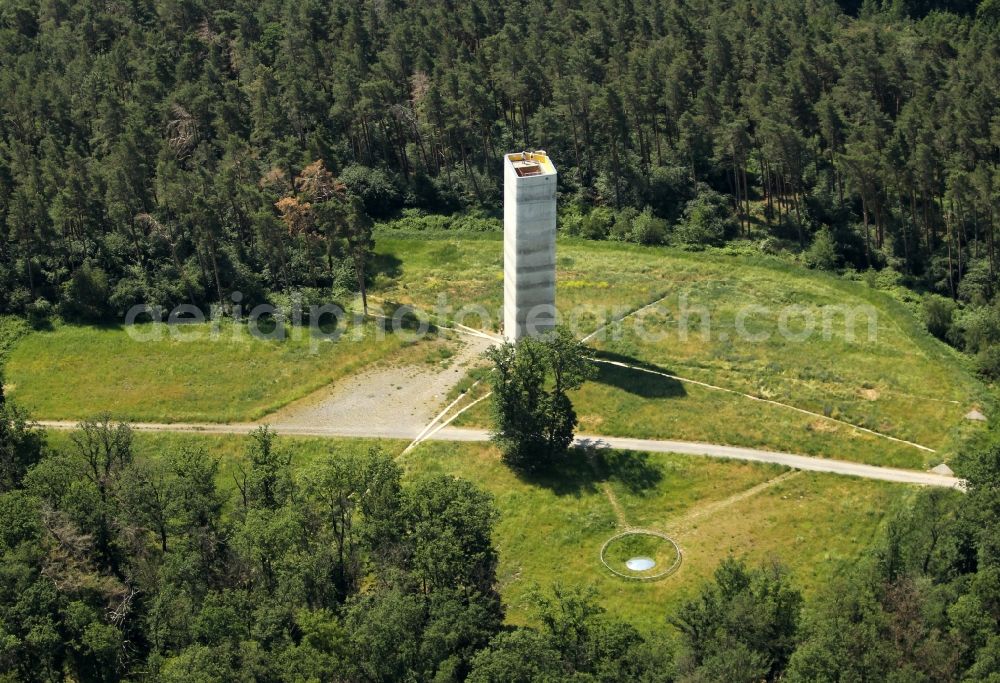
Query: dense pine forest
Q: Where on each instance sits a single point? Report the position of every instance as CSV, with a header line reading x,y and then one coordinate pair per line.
x,y
167,151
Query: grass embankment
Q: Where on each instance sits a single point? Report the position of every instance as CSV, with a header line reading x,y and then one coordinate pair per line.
x,y
551,529
72,372
898,381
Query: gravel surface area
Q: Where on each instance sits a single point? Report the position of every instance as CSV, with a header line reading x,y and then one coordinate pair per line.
x,y
383,397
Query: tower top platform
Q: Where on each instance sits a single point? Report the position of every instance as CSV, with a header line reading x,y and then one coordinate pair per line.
x,y
528,164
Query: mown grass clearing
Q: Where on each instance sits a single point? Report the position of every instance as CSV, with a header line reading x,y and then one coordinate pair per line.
x,y
899,381
72,372
552,529
626,403
442,272
902,382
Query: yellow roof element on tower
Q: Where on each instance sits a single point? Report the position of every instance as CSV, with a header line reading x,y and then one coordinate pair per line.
x,y
531,163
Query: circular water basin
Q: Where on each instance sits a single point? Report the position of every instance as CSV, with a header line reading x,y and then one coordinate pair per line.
x,y
640,564
641,554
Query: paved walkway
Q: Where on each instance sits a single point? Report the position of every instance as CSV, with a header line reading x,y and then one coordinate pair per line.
x,y
798,462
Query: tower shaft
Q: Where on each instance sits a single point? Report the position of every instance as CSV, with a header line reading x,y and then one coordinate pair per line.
x,y
529,236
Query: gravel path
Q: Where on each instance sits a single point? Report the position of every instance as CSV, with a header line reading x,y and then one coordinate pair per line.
x,y
798,462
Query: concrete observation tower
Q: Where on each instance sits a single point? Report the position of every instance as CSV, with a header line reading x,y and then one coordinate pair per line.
x,y
529,244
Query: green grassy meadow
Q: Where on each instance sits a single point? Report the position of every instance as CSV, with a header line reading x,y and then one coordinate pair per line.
x,y
894,379
551,529
901,382
73,372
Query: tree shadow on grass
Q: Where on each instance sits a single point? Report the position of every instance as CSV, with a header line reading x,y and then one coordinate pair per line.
x,y
388,265
643,384
590,463
631,469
